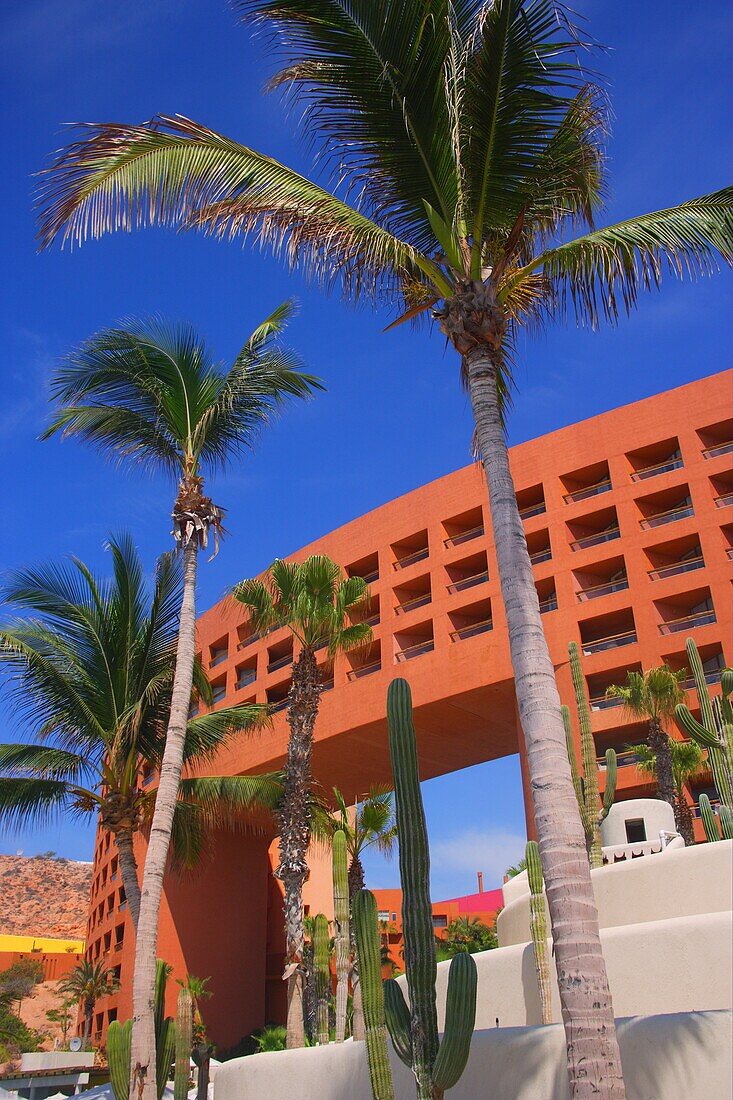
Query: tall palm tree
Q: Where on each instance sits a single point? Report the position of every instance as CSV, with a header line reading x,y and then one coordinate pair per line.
x,y
653,696
468,140
316,603
90,664
87,983
150,394
687,761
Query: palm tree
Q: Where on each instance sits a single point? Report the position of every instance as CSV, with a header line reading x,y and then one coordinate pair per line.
x,y
318,606
687,761
151,394
90,665
653,696
470,138
87,983
197,988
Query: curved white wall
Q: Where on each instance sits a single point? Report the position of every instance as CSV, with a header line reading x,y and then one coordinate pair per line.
x,y
657,816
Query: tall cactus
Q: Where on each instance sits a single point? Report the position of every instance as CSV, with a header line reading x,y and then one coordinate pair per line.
x,y
709,820
436,1065
364,913
714,731
592,810
538,927
341,921
184,1044
321,963
119,1046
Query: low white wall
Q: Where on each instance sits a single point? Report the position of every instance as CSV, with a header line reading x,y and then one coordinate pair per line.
x,y
671,1057
656,815
678,881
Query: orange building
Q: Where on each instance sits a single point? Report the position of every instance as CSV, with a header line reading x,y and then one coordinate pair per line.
x,y
629,525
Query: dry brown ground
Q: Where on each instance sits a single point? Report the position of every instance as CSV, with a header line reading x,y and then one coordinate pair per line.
x,y
44,897
33,1012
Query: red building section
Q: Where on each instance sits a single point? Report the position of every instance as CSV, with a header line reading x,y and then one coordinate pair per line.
x,y
629,525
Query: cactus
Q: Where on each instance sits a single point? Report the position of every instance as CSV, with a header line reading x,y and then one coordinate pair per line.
x,y
714,731
118,1050
726,822
538,928
119,1040
709,820
364,913
322,967
586,785
436,1066
184,1043
341,920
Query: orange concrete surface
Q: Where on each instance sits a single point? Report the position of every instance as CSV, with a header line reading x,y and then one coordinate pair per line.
x,y
629,522
482,907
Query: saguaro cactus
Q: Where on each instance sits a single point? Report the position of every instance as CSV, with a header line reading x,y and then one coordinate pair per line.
x,y
436,1066
184,1043
714,731
119,1037
538,927
341,920
592,810
709,820
364,912
321,963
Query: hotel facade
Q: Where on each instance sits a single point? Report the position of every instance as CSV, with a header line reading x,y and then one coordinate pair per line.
x,y
629,524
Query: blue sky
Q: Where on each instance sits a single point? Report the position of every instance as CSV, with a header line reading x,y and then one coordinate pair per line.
x,y
394,415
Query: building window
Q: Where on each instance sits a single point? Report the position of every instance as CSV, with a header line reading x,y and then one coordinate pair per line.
x,y
635,830
440,921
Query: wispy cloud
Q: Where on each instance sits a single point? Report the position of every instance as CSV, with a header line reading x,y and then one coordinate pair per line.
x,y
25,398
456,859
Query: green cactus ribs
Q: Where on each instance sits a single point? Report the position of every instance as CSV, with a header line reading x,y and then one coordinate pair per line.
x,y
341,921
714,731
364,911
538,928
322,964
119,1038
184,1044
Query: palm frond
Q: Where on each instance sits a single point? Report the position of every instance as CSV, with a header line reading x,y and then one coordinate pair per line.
x,y
206,733
37,802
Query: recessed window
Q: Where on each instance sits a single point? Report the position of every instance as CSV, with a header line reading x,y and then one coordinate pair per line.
x,y
531,501
717,439
538,546
410,550
365,661
594,529
414,641
655,459
611,631
246,673
464,527
467,573
219,652
668,506
367,568
412,594
471,620
590,481
219,690
635,830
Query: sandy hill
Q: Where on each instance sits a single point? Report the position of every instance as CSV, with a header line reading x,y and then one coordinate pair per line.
x,y
44,897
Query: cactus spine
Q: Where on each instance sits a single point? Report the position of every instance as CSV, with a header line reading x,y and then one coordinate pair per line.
x,y
118,1050
436,1066
538,928
321,963
714,731
364,913
341,920
586,785
709,821
184,1043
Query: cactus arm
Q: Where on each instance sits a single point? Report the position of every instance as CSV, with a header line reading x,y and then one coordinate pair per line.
x,y
321,962
184,1044
701,687
414,858
709,822
165,1045
341,920
119,1037
460,1017
398,1021
726,822
590,809
364,911
690,726
538,927
570,743
609,791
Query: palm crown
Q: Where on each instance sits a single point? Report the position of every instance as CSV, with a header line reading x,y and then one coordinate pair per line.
x,y
90,668
312,599
687,761
653,694
470,133
370,824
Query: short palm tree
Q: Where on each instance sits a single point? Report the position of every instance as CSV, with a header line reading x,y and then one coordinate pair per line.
x,y
199,991
150,394
687,761
653,696
89,664
469,138
318,605
87,983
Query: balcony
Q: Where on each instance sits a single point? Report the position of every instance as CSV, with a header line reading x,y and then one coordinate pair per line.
x,y
218,691
724,501
538,546
607,535
531,502
364,661
541,555
415,601
364,670
532,510
604,702
595,591
279,662
680,511
626,759
464,527
590,481
367,568
278,705
410,550
613,641
686,566
688,622
415,593
250,639
468,582
717,439
714,802
415,650
549,603
246,676
659,458
471,631
725,448
466,536
546,595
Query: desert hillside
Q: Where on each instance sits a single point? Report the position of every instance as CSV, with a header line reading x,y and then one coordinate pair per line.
x,y
44,897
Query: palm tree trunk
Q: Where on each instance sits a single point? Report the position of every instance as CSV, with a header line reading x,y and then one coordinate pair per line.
x,y
594,1064
88,1016
356,883
128,873
294,828
143,1054
684,819
659,744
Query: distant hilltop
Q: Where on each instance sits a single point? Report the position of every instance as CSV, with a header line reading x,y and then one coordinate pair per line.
x,y
44,896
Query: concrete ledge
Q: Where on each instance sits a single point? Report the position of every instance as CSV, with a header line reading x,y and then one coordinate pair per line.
x,y
669,1057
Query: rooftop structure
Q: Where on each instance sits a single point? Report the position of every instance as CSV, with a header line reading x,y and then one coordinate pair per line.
x,y
629,524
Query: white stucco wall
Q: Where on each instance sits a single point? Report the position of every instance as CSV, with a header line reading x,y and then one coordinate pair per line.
x,y
676,882
657,815
671,1057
